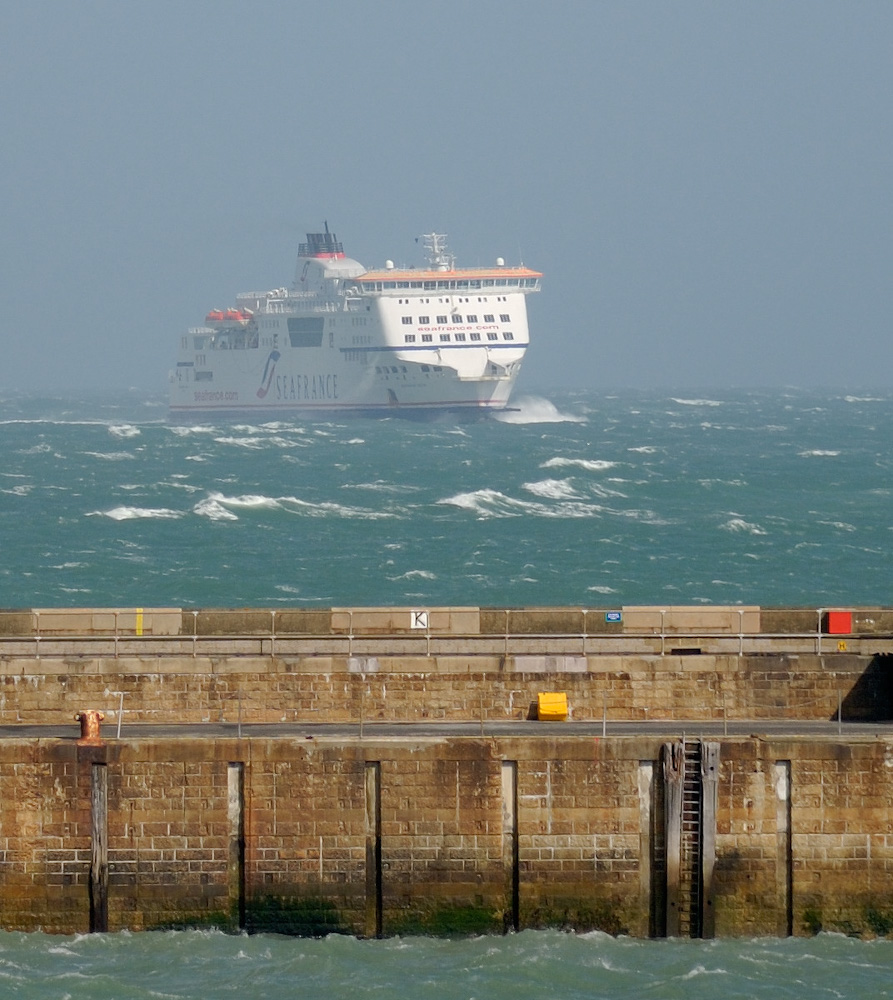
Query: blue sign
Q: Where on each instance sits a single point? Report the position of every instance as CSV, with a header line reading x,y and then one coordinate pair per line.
x,y
613,616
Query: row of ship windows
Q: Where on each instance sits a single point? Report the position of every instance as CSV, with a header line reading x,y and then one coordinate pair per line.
x,y
454,298
455,320
452,284
445,338
384,369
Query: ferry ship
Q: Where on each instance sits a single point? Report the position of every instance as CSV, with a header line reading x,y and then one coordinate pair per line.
x,y
394,341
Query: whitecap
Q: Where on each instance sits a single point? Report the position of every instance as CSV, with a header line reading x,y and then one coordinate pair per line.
x,y
182,431
696,402
248,500
422,574
214,510
602,589
124,430
644,449
736,524
133,513
589,464
492,503
111,456
536,410
818,453
553,489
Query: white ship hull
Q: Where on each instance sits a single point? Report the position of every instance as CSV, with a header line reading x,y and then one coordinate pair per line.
x,y
344,339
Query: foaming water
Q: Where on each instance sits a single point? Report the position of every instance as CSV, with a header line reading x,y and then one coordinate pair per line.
x,y
194,965
763,497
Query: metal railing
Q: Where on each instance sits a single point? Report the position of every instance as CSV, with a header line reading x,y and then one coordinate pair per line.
x,y
262,632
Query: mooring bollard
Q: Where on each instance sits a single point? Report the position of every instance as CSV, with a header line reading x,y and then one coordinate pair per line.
x,y
90,720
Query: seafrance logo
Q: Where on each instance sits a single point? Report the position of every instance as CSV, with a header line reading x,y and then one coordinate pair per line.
x,y
267,377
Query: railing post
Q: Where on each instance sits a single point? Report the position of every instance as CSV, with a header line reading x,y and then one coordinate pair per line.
x,y
740,632
272,632
663,630
116,633
36,635
584,610
194,633
818,632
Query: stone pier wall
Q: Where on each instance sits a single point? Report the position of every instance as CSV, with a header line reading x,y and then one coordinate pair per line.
x,y
405,836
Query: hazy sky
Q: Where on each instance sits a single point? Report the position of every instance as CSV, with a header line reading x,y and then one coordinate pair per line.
x,y
706,186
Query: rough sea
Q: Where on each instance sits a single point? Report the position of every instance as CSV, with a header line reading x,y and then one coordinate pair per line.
x,y
593,499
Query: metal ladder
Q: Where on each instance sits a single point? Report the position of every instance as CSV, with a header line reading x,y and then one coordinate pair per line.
x,y
691,886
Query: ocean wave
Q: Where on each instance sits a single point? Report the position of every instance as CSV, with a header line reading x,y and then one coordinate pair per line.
x,y
255,442
696,402
590,465
492,503
214,510
181,430
124,430
134,513
215,503
738,524
536,410
111,456
553,489
818,453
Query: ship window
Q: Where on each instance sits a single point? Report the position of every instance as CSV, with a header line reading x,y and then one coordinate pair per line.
x,y
488,317
475,336
426,338
407,320
505,317
409,338
394,369
424,368
508,336
441,319
430,286
305,331
487,282
424,320
492,336
204,376
475,283
460,336
436,368
471,318
457,319
403,284
444,337
415,284
462,284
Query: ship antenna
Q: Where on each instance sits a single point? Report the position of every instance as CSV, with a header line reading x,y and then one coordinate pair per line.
x,y
436,253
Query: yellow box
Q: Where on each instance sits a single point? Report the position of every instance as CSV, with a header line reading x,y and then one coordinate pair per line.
x,y
551,706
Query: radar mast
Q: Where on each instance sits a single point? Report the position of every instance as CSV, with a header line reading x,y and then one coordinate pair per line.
x,y
436,253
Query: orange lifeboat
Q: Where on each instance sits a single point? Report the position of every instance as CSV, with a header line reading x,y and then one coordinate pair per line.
x,y
214,316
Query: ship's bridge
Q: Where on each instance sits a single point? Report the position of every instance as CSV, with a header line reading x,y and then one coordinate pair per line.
x,y
390,281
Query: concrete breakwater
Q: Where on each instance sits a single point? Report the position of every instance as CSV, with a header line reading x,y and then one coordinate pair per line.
x,y
675,828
